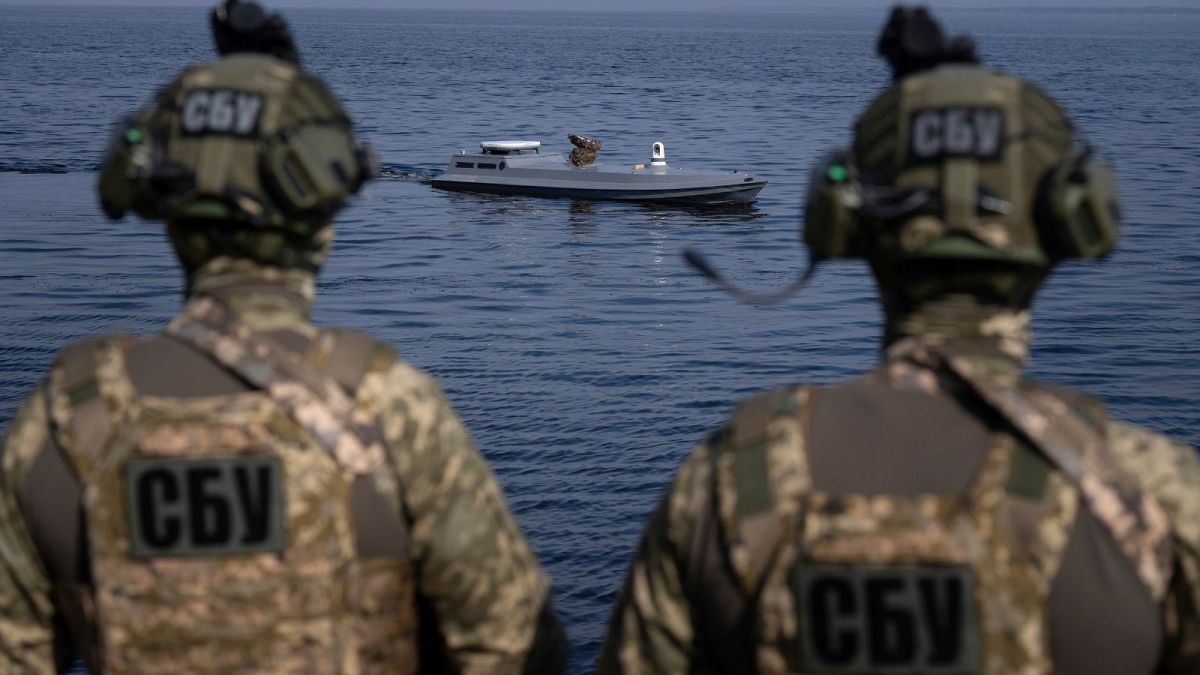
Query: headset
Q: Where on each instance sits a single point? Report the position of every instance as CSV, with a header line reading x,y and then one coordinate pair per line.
x,y
135,174
309,170
1075,208
1075,212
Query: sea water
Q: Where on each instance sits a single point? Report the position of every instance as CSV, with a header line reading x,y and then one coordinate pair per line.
x,y
584,356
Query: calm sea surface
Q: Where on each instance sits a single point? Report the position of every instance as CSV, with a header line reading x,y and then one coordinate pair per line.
x,y
583,355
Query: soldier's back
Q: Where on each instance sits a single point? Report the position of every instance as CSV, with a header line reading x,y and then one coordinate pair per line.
x,y
245,491
898,521
232,520
901,522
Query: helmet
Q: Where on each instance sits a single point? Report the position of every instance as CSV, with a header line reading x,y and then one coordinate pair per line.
x,y
247,143
248,138
960,172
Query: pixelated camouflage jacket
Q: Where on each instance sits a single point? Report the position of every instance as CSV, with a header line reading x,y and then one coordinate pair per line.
x,y
483,593
1088,559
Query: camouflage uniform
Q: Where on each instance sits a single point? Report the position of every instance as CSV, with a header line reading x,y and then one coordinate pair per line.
x,y
585,149
246,491
907,470
416,512
941,514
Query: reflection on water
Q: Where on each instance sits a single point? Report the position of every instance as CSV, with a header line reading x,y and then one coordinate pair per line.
x,y
729,214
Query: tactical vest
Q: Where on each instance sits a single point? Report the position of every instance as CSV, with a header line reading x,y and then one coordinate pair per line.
x,y
980,141
255,531
928,583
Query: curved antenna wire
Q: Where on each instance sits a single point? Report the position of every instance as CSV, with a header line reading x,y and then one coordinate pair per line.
x,y
697,261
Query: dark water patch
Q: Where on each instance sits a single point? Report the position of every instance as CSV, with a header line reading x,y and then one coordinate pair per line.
x,y
17,166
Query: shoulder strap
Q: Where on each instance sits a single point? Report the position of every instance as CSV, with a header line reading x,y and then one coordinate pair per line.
x,y
1078,449
724,625
744,484
82,422
319,397
81,418
51,501
347,356
313,399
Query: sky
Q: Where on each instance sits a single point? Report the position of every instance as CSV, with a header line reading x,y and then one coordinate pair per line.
x,y
668,5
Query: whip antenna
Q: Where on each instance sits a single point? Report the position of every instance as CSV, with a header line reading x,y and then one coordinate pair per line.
x,y
698,262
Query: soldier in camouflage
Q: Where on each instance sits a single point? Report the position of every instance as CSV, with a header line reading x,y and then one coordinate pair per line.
x,y
246,491
941,514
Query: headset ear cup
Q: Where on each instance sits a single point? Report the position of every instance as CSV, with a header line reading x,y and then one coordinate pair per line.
x,y
1043,216
308,171
136,175
116,184
368,166
1100,214
290,186
831,211
1076,209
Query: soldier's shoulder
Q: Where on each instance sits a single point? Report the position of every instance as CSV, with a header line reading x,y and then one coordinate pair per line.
x,y
1087,408
755,476
350,338
97,341
1145,450
80,355
740,445
384,376
748,427
1167,469
352,357
764,442
72,377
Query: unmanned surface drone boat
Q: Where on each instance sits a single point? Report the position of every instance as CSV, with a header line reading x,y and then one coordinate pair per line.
x,y
518,167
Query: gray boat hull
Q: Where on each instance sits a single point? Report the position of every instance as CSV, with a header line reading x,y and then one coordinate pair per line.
x,y
550,175
741,194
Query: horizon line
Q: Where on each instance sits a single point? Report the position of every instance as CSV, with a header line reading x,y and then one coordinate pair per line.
x,y
153,4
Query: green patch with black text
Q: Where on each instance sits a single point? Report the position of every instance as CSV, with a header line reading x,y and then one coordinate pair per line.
x,y
885,619
205,507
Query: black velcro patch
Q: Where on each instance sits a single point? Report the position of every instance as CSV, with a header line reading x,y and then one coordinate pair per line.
x,y
859,619
956,131
202,507
221,111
